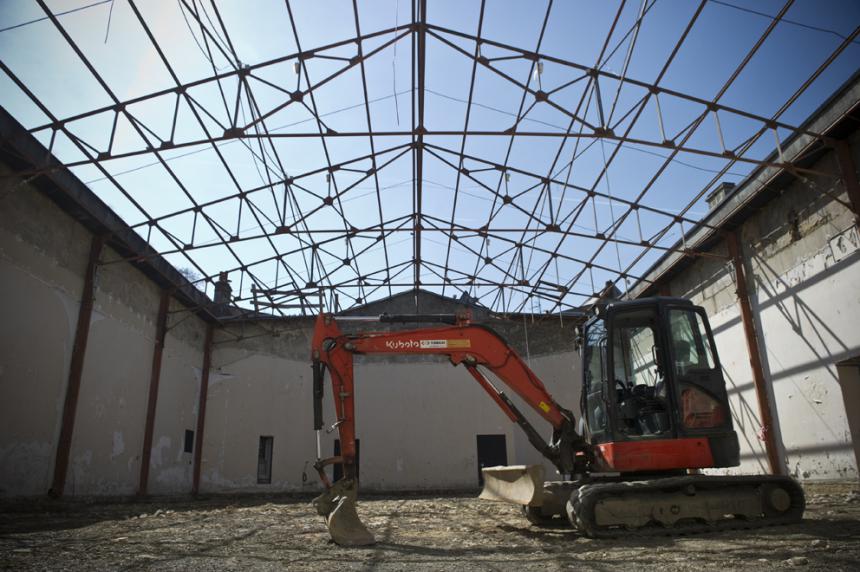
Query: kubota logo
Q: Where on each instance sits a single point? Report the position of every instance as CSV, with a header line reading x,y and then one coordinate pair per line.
x,y
402,345
428,344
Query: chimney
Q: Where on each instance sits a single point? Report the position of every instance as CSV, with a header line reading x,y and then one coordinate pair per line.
x,y
717,196
223,290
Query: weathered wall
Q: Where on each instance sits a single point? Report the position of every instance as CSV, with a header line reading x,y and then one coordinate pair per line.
x,y
170,469
417,417
43,256
802,256
108,436
40,292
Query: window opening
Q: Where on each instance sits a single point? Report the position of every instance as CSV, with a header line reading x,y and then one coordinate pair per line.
x,y
264,461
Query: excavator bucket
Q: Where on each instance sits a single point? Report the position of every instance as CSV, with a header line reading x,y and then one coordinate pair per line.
x,y
517,484
337,506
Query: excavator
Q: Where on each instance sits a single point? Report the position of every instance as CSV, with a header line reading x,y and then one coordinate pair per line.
x,y
654,412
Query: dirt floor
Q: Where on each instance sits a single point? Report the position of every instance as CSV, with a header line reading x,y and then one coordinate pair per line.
x,y
414,533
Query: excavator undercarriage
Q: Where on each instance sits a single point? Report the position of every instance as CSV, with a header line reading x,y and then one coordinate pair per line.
x,y
687,504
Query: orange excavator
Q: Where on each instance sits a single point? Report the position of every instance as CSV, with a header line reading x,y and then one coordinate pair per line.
x,y
653,411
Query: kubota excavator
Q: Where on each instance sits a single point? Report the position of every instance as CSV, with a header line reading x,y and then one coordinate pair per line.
x,y
654,410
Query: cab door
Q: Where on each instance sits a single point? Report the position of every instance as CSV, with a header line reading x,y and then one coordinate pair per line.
x,y
641,392
595,403
703,401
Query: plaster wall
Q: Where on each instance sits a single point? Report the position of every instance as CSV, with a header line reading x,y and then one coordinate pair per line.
x,y
802,257
108,436
417,418
171,467
43,256
40,289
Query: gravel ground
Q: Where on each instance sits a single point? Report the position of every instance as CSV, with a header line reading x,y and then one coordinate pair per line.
x,y
414,533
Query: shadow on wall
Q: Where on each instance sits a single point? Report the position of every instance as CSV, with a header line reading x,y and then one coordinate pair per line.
x,y
817,329
790,291
746,420
779,300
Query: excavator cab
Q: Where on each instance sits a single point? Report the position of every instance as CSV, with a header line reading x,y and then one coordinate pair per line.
x,y
653,394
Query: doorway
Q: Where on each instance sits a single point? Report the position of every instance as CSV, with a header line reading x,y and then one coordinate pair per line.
x,y
492,451
849,379
264,461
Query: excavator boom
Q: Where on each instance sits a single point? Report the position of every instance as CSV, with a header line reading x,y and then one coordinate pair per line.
x,y
463,343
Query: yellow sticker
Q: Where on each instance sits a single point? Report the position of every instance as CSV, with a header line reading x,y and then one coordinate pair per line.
x,y
459,343
544,405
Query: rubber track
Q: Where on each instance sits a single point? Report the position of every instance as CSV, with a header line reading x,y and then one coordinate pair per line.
x,y
583,502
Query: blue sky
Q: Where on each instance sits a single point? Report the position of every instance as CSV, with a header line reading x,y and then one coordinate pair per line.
x,y
261,31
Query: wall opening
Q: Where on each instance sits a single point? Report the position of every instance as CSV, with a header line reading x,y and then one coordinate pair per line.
x,y
849,380
264,461
189,441
492,451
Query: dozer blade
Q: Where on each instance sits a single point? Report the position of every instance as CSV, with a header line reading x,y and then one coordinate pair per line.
x,y
517,484
337,506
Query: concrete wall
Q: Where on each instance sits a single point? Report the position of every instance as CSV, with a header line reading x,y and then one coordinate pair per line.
x,y
43,257
170,469
802,255
40,292
417,417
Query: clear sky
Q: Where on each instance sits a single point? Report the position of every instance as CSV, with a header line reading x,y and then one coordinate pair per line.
x,y
261,31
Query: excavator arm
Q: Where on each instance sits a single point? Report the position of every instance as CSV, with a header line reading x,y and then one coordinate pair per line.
x,y
472,346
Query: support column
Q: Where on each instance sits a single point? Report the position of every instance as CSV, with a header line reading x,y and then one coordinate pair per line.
x,y
201,409
76,368
764,404
154,380
849,177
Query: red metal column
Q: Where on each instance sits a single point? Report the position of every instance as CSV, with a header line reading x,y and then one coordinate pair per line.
x,y
154,379
76,368
201,408
849,177
765,408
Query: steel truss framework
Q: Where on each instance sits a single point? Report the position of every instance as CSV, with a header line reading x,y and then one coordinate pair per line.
x,y
344,258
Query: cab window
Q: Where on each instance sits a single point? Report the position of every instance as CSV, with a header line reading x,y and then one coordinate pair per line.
x,y
690,342
638,375
594,359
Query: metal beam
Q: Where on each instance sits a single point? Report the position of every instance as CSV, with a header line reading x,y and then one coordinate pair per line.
x,y
421,55
766,411
201,408
76,368
154,379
